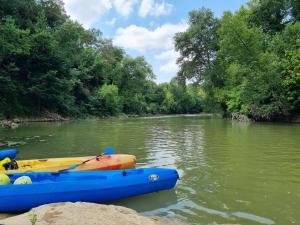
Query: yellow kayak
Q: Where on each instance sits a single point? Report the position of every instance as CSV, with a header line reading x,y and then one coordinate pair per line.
x,y
103,162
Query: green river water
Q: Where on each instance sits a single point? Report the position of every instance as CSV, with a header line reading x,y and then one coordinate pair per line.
x,y
230,172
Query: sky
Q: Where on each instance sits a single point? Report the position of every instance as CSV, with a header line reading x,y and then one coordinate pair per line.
x,y
145,27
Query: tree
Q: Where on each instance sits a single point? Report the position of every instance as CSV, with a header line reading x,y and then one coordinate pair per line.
x,y
270,15
133,74
291,81
181,99
110,100
49,63
47,82
254,80
198,45
15,45
253,70
295,9
54,12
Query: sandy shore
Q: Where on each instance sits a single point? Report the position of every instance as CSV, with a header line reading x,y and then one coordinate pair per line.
x,y
84,214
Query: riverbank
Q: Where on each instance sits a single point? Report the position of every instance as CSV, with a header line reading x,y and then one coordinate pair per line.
x,y
47,117
53,117
243,118
85,214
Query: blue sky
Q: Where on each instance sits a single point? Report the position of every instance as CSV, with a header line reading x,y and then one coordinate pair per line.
x,y
145,27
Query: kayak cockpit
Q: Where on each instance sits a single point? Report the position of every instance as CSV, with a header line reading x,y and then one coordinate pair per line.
x,y
53,177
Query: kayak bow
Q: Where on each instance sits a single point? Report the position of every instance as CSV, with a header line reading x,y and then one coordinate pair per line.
x,y
96,186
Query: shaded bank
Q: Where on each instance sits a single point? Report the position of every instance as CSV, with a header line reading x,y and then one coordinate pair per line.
x,y
286,119
47,117
54,117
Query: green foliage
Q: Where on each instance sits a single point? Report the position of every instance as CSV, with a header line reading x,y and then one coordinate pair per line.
x,y
295,9
253,75
291,78
181,99
33,218
197,45
15,45
273,15
255,69
51,63
269,14
110,99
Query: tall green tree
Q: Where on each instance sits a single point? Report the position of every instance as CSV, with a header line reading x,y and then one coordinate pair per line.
x,y
291,78
110,100
270,15
198,45
15,45
253,68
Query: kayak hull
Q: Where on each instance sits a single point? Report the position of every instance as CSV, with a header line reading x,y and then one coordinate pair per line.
x,y
10,153
104,162
96,186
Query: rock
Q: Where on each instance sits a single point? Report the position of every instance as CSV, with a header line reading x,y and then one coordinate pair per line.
x,y
4,215
9,124
85,214
54,116
240,117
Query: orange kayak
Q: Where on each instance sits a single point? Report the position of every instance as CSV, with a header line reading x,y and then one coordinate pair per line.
x,y
104,162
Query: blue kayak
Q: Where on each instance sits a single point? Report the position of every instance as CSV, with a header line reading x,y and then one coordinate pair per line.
x,y
96,186
10,153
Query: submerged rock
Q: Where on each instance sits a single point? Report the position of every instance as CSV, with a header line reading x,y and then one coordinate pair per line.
x,y
9,124
240,117
85,214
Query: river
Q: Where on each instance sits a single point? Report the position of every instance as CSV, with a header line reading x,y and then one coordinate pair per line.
x,y
230,172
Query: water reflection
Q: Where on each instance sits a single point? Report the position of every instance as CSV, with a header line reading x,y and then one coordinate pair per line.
x,y
145,203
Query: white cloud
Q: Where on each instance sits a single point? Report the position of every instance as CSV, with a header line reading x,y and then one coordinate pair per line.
x,y
166,55
87,12
147,40
111,22
152,8
168,58
143,39
169,67
124,7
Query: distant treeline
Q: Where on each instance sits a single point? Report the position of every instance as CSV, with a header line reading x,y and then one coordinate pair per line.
x,y
49,63
247,62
